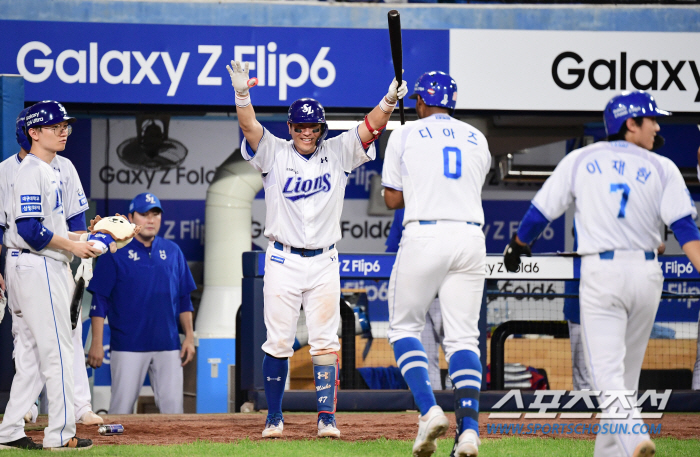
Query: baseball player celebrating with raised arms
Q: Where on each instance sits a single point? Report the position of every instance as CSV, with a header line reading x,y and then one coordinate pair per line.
x,y
304,181
623,193
40,284
436,167
75,204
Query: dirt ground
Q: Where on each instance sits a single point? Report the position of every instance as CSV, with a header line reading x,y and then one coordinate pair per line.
x,y
161,429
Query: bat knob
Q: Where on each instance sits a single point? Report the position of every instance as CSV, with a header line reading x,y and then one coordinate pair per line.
x,y
252,82
393,13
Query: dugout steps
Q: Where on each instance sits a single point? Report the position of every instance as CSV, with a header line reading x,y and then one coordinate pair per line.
x,y
402,400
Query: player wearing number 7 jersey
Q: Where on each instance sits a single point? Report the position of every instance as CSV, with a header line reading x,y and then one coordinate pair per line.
x,y
437,167
623,194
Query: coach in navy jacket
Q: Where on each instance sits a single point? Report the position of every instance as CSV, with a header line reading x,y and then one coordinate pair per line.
x,y
144,290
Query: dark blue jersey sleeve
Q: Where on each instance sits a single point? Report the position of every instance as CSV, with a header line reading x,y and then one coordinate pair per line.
x,y
100,306
34,233
187,284
104,275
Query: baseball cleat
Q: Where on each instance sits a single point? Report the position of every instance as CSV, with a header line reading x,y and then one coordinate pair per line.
x,y
327,427
73,444
23,443
467,445
431,426
273,426
90,418
646,448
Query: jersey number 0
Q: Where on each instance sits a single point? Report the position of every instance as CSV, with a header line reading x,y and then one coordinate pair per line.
x,y
448,152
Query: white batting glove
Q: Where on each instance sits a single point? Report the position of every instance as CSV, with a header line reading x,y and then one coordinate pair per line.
x,y
84,271
396,92
239,78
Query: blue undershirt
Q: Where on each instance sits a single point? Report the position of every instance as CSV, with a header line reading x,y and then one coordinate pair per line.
x,y
34,233
533,223
685,230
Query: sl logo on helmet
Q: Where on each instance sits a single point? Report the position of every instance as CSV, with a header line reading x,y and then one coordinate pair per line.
x,y
307,109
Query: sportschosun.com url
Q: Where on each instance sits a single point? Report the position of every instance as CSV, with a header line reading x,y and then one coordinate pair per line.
x,y
572,429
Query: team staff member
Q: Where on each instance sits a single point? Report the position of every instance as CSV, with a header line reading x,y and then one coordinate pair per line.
x,y
40,285
623,193
75,204
144,290
304,182
436,167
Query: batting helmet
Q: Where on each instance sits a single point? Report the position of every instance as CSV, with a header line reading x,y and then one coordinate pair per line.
x,y
308,111
629,105
48,112
436,89
20,134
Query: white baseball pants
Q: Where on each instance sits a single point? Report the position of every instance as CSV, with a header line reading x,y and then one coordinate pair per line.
x,y
293,281
448,259
619,299
40,289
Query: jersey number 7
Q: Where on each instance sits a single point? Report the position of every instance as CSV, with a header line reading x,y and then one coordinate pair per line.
x,y
625,195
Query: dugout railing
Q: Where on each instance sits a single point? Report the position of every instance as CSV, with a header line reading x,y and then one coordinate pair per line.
x,y
251,334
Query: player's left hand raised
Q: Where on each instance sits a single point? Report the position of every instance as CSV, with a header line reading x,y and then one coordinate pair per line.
x,y
396,92
512,253
239,77
187,352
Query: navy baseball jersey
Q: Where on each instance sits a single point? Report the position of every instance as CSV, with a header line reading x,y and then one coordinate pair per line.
x,y
142,292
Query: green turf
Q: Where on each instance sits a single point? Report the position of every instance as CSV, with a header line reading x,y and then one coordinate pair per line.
x,y
511,446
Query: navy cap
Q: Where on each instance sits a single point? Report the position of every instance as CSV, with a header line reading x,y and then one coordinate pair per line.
x,y
144,202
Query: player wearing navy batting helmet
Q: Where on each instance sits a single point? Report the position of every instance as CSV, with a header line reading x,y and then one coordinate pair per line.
x,y
304,182
623,193
41,242
436,168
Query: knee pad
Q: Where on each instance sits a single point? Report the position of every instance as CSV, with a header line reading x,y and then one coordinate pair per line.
x,y
326,381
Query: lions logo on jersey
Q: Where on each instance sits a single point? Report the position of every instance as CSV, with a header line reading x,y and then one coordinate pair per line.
x,y
296,187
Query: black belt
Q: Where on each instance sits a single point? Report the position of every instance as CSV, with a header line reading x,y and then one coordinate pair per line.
x,y
301,251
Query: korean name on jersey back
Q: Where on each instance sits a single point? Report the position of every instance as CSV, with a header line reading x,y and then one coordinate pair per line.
x,y
296,187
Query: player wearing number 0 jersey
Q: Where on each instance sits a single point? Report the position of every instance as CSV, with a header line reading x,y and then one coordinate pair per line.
x,y
437,167
623,194
304,182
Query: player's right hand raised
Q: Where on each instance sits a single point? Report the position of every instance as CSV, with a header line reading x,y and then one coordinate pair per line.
x,y
84,250
239,77
512,253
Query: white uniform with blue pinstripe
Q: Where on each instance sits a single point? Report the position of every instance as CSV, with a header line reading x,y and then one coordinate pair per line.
x,y
45,307
440,164
623,195
74,202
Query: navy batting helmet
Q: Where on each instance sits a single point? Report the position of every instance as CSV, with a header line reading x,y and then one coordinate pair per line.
x,y
308,111
436,89
48,112
20,134
628,105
